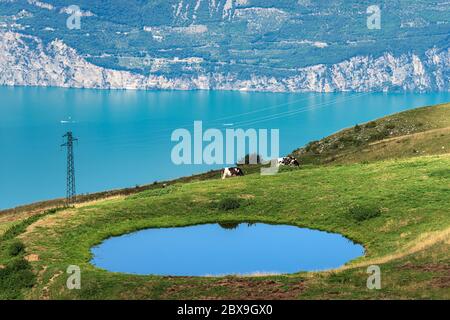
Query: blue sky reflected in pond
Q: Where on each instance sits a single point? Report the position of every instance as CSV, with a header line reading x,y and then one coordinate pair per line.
x,y
213,249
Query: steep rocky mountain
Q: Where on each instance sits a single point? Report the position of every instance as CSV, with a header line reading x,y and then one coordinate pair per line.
x,y
268,45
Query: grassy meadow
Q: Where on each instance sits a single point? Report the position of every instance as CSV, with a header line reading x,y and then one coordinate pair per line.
x,y
385,185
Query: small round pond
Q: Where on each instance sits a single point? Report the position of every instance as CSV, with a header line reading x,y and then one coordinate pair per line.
x,y
225,249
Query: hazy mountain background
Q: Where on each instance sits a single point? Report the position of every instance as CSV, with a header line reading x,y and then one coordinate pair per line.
x,y
274,45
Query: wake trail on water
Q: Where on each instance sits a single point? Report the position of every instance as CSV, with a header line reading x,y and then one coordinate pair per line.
x,y
285,114
295,112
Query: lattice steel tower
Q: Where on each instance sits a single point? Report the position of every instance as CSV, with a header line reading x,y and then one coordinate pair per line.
x,y
71,191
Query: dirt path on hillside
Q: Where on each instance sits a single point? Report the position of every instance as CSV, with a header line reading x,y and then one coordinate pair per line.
x,y
412,135
424,241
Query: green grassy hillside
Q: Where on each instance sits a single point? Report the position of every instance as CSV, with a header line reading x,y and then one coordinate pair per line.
x,y
423,131
398,208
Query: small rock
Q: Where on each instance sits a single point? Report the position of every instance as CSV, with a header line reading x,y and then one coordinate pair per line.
x,y
32,258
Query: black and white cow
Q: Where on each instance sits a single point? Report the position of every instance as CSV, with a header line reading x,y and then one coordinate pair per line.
x,y
232,172
288,161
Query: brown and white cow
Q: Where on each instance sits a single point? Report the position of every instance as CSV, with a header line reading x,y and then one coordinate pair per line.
x,y
232,172
288,161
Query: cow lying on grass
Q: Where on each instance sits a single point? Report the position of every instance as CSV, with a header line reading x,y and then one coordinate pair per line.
x,y
288,161
232,172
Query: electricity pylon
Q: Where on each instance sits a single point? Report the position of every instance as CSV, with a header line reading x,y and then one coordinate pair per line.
x,y
71,191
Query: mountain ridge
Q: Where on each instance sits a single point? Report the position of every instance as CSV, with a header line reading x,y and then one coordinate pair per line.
x,y
26,60
254,45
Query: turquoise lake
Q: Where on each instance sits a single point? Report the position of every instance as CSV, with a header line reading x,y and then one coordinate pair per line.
x,y
212,249
124,136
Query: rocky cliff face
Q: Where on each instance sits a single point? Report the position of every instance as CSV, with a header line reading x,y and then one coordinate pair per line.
x,y
25,60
